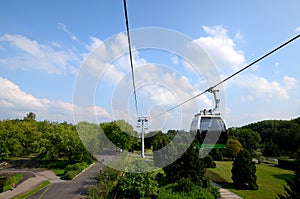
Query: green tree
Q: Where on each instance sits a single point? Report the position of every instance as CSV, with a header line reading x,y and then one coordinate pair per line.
x,y
243,171
208,162
30,116
233,147
249,139
92,136
187,166
106,180
120,133
160,140
135,186
271,149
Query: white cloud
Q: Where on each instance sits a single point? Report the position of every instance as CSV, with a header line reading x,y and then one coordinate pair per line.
x,y
33,55
15,102
64,28
109,60
297,29
259,87
95,43
289,83
221,48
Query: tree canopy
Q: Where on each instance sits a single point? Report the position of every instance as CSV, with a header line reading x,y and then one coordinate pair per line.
x,y
243,171
50,140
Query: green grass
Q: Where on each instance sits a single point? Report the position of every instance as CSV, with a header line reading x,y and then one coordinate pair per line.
x,y
58,172
270,180
33,191
15,179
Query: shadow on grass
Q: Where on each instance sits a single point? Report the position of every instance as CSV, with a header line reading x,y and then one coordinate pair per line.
x,y
58,166
215,177
228,185
219,180
286,177
22,163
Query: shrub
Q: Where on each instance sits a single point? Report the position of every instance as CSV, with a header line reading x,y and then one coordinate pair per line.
x,y
208,162
197,192
71,171
69,175
184,185
136,185
8,179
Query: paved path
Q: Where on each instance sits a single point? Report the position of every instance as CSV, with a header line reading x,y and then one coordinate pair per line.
x,y
77,188
31,182
225,193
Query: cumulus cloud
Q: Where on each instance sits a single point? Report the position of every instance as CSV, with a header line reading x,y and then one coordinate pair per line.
x,y
289,82
95,43
109,60
260,87
221,48
15,102
33,55
160,86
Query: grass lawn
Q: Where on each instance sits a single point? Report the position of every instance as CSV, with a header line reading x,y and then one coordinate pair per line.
x,y
270,180
33,191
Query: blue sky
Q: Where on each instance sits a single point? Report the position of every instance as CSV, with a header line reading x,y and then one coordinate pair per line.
x,y
45,44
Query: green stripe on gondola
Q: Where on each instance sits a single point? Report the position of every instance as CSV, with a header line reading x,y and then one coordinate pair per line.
x,y
210,146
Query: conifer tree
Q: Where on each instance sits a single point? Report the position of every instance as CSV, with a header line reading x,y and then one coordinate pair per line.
x,y
187,166
243,171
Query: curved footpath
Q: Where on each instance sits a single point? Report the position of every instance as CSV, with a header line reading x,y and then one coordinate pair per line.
x,y
35,178
225,193
30,183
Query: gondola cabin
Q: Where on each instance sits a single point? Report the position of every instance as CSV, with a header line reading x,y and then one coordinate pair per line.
x,y
210,130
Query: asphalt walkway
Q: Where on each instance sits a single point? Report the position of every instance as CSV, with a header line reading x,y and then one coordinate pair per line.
x,y
30,183
225,193
38,177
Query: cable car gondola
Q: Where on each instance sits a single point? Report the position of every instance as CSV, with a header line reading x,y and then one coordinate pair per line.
x,y
209,128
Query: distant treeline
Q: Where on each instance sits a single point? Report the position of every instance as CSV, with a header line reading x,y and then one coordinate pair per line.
x,y
53,141
273,137
49,140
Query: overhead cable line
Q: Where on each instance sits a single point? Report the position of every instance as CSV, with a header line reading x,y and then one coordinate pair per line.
x,y
131,59
210,89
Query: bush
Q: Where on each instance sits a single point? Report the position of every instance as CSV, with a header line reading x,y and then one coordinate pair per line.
x,y
208,162
197,192
71,171
136,185
69,175
184,185
59,164
8,179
